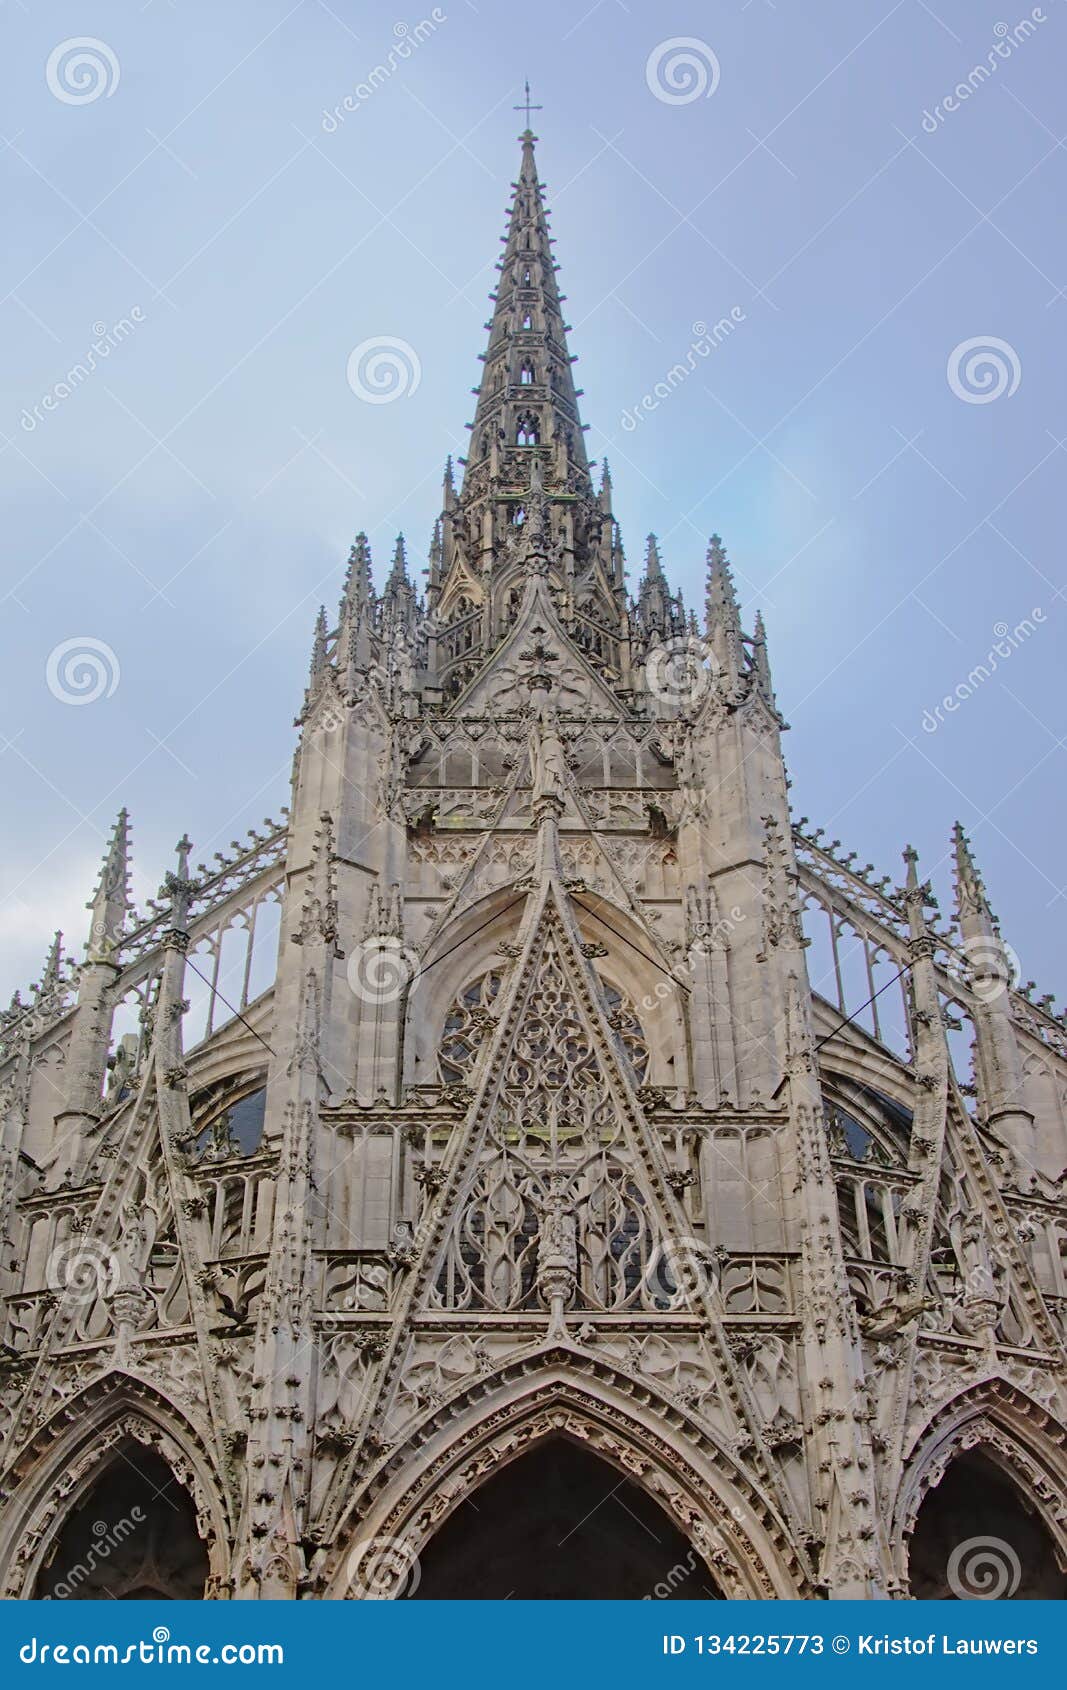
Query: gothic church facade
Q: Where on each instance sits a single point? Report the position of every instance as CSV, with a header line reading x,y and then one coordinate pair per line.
x,y
540,1164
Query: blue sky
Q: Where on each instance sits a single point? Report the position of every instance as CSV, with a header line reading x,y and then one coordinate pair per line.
x,y
188,504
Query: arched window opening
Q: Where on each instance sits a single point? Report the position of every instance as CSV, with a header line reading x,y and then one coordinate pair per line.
x,y
528,430
847,1136
527,320
133,1538
526,373
236,1130
560,1524
975,1537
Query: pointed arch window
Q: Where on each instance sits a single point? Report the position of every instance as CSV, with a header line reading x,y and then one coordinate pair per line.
x,y
134,1537
526,321
526,373
235,1131
528,430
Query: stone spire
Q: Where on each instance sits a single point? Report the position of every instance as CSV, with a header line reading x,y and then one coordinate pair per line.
x,y
527,394
971,900
86,1063
319,658
723,616
653,596
51,977
358,589
357,613
111,901
990,968
399,600
433,573
761,667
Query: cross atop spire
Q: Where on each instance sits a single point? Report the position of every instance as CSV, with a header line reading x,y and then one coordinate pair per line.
x,y
527,108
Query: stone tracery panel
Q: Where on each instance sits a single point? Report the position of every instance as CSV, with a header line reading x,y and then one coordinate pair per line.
x,y
553,1183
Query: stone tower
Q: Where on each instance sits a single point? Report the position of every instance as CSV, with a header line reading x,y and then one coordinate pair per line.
x,y
540,1164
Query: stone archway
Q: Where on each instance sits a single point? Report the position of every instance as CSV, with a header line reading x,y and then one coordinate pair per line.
x,y
87,1437
131,1536
743,1549
560,1523
975,1537
982,1506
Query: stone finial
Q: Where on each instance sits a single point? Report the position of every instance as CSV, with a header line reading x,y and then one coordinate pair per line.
x,y
971,897
110,904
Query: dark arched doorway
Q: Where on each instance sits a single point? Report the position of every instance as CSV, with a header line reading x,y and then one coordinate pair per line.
x,y
133,1537
559,1523
975,1538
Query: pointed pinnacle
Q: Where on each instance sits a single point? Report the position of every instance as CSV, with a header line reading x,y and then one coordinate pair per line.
x,y
358,588
110,902
653,567
970,892
398,575
53,965
318,645
760,659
